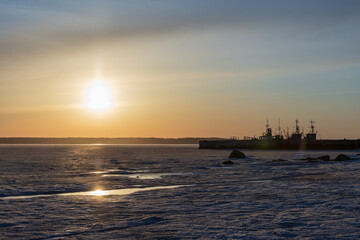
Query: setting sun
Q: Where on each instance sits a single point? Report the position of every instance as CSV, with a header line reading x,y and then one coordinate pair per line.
x,y
98,96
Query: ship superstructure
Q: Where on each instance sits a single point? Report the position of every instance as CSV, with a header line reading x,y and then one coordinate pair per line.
x,y
296,135
311,136
283,140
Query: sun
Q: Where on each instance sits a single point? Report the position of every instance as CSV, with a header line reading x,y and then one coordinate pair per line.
x,y
98,96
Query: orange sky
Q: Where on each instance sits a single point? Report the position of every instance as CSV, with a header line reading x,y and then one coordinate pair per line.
x,y
178,69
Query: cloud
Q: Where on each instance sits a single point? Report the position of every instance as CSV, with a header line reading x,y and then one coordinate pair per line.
x,y
79,20
292,30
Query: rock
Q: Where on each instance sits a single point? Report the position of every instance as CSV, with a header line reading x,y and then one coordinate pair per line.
x,y
341,157
279,160
228,162
237,154
311,160
358,154
324,158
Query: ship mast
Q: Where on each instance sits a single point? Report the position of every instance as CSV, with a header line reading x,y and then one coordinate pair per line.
x,y
279,128
287,133
297,128
311,136
268,133
312,126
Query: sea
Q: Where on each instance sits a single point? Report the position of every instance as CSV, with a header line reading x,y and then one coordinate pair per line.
x,y
175,192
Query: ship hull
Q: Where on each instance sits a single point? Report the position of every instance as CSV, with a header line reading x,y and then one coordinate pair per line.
x,y
281,144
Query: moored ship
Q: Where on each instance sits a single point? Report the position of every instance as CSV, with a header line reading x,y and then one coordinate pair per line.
x,y
284,141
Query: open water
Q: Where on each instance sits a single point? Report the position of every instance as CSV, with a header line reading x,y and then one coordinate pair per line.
x,y
175,192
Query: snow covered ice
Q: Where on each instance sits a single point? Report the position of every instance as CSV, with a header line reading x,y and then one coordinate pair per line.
x,y
175,192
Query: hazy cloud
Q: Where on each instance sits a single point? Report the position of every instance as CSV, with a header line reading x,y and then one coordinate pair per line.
x,y
38,25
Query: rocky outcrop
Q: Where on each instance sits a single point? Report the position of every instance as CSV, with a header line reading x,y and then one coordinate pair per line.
x,y
310,159
237,154
342,157
228,162
324,158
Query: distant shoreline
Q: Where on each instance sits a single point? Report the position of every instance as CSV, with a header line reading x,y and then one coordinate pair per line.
x,y
83,140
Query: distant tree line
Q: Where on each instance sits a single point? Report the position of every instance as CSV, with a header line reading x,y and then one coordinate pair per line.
x,y
82,140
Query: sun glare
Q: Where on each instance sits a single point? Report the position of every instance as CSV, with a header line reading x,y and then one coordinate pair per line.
x,y
98,96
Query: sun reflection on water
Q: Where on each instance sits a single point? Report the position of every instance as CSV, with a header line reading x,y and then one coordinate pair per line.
x,y
115,192
98,193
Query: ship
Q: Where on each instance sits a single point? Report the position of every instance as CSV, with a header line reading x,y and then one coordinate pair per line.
x,y
283,141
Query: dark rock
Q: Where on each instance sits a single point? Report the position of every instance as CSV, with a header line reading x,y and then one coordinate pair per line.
x,y
309,159
279,160
228,162
358,154
237,154
324,158
341,157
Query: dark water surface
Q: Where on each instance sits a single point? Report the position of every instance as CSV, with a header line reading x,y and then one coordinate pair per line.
x,y
175,192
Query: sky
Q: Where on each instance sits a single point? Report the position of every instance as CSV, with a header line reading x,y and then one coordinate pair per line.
x,y
180,68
